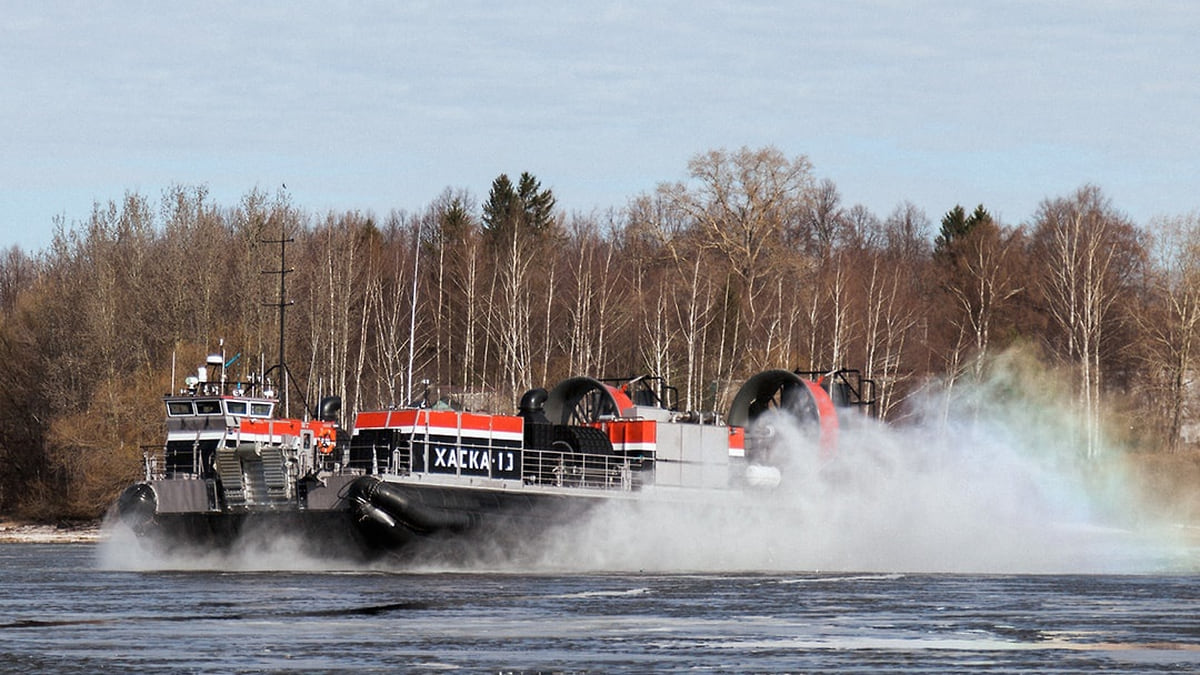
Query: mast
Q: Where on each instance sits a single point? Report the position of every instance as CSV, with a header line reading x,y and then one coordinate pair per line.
x,y
412,318
282,304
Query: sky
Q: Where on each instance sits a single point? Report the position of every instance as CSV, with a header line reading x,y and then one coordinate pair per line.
x,y
381,106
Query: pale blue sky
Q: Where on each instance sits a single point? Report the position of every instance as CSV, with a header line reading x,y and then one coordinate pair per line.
x,y
375,106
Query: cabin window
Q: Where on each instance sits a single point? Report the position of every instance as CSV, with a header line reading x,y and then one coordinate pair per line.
x,y
235,407
179,408
260,409
208,407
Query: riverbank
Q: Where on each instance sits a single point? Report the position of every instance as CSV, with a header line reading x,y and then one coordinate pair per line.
x,y
13,532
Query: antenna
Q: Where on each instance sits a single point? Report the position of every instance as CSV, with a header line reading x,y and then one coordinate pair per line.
x,y
282,304
283,271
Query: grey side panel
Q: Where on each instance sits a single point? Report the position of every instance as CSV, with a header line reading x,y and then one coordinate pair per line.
x,y
325,497
182,496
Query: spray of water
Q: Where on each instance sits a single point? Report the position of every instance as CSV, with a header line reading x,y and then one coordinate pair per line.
x,y
987,479
257,550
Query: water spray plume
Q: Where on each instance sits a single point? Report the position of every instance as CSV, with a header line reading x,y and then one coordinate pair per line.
x,y
255,551
987,477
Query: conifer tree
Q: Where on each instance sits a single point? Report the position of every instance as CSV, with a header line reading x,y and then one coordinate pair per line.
x,y
956,225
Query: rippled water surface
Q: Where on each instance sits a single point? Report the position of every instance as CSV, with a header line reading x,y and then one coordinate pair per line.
x,y
61,612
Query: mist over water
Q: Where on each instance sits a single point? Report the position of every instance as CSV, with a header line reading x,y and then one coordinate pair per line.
x,y
262,551
983,479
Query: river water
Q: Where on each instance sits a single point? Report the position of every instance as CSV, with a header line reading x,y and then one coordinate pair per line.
x,y
978,543
65,609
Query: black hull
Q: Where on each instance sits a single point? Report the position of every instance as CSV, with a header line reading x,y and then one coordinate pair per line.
x,y
318,534
376,519
457,524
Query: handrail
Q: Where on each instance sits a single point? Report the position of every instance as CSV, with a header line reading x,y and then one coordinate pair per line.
x,y
154,461
575,469
553,468
556,468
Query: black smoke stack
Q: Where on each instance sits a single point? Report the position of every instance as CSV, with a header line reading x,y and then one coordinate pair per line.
x,y
532,406
328,408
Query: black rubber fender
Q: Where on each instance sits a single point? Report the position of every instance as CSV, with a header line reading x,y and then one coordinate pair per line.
x,y
137,506
405,507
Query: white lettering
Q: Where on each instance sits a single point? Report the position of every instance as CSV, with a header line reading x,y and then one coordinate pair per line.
x,y
473,460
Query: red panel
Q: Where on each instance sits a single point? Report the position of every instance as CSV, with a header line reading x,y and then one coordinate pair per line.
x,y
276,427
737,438
441,418
508,423
639,431
403,418
371,420
627,432
476,422
319,427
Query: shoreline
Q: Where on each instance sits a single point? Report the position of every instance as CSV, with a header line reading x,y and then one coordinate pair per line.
x,y
17,532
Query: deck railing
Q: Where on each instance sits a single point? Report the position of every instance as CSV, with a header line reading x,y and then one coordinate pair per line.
x,y
553,468
572,469
556,468
154,461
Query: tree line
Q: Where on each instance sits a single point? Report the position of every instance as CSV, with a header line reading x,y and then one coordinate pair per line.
x,y
750,262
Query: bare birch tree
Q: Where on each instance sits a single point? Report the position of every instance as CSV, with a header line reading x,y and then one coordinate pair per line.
x,y
745,204
1087,255
1171,323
